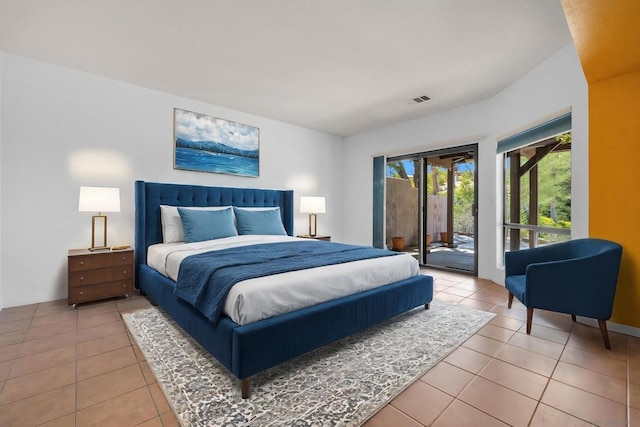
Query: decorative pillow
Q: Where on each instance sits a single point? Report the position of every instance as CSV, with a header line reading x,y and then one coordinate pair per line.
x,y
252,221
172,230
202,225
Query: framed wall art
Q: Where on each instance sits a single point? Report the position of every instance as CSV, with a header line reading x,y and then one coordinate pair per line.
x,y
209,144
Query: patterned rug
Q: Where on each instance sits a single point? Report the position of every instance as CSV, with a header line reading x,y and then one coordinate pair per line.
x,y
344,383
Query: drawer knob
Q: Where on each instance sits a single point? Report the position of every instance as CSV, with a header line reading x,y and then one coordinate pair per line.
x,y
81,263
124,271
81,277
124,285
81,292
124,257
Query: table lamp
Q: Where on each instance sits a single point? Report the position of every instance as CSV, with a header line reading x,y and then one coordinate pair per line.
x,y
312,206
99,199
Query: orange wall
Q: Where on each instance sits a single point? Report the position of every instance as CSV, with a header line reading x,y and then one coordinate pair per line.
x,y
607,38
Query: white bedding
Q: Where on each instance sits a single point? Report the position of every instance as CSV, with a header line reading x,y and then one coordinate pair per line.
x,y
256,299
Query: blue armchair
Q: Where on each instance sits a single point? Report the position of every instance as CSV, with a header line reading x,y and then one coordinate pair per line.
x,y
577,277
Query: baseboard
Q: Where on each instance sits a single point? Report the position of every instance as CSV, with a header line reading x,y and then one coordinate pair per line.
x,y
612,326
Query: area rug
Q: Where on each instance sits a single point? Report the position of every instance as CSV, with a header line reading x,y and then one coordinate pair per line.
x,y
344,383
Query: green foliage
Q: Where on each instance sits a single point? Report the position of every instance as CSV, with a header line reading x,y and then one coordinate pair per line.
x,y
463,203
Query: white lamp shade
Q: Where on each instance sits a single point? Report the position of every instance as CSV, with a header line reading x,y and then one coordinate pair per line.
x,y
313,205
99,199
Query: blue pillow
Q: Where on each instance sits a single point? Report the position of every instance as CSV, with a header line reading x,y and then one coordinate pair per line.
x,y
202,225
259,221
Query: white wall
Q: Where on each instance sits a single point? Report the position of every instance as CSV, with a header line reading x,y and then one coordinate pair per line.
x,y
63,128
1,132
556,84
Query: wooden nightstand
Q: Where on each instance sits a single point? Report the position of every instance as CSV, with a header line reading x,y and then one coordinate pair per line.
x,y
98,275
316,237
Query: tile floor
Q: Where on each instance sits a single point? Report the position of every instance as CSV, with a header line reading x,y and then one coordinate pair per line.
x,y
66,367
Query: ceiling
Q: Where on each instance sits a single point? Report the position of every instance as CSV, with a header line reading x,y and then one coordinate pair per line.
x,y
338,66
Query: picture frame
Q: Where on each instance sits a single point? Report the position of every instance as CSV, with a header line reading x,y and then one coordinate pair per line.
x,y
205,143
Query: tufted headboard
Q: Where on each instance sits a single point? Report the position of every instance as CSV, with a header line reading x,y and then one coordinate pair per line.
x,y
150,195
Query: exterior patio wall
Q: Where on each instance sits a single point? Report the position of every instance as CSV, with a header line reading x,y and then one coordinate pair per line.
x,y
436,216
402,211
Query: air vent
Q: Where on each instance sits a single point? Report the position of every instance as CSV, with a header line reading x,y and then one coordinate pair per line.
x,y
420,99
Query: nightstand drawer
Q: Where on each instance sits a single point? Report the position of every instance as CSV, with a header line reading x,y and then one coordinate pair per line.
x,y
99,291
83,278
90,262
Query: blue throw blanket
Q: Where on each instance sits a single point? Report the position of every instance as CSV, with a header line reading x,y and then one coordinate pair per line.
x,y
204,280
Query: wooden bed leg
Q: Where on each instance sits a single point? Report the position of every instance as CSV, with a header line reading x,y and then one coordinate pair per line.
x,y
529,319
426,306
246,388
605,334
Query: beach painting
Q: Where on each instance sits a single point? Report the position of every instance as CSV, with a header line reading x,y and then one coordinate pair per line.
x,y
209,144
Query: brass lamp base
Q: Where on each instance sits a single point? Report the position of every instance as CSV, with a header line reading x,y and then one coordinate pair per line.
x,y
104,246
315,224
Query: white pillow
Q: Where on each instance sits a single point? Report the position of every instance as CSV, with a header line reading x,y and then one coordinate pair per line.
x,y
172,231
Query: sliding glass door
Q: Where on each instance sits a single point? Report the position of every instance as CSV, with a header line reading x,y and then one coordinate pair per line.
x,y
431,207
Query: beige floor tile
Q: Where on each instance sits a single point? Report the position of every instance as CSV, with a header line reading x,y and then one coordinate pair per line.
x,y
593,382
526,359
169,420
508,406
105,362
477,304
469,286
486,296
546,416
553,320
634,370
147,373
66,421
446,297
386,417
89,334
102,345
98,320
546,333
107,386
44,331
18,325
448,378
48,359
126,409
41,345
5,369
633,347
467,359
517,379
16,309
460,414
46,310
16,316
483,345
507,322
52,319
39,409
15,337
589,338
9,352
634,417
600,362
538,345
634,395
457,291
99,307
412,402
132,304
583,405
160,401
154,422
37,383
496,332
510,312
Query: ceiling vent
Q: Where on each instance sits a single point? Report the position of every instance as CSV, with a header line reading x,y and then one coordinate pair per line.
x,y
420,99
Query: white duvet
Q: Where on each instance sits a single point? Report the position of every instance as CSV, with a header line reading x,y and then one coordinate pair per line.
x,y
256,299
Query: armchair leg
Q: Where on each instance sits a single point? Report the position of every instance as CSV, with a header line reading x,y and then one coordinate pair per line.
x,y
529,319
605,333
573,317
510,300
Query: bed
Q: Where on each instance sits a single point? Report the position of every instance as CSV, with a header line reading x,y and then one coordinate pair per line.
x,y
247,349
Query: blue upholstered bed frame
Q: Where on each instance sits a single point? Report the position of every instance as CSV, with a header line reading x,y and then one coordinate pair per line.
x,y
249,349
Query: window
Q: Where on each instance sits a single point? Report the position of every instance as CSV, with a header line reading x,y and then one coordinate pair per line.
x,y
537,186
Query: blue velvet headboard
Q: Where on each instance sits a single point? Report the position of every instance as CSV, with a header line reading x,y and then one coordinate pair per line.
x,y
150,195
